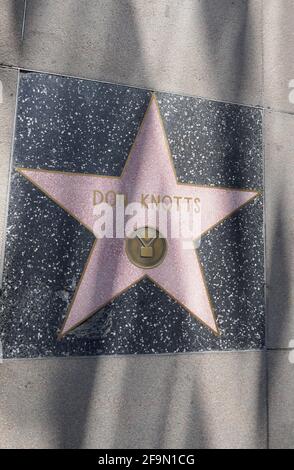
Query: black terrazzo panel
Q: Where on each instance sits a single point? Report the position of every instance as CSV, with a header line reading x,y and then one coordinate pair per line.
x,y
82,126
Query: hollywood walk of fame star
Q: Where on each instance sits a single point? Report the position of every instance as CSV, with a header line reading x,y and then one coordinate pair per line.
x,y
108,271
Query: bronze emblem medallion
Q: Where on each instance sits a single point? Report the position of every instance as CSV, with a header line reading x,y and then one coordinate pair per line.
x,y
146,248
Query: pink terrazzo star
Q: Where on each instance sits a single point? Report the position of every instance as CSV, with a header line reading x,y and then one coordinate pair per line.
x,y
108,271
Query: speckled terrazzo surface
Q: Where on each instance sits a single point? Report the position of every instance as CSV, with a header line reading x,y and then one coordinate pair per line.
x,y
83,126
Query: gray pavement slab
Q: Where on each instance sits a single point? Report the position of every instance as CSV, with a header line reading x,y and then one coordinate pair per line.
x,y
192,401
281,405
278,54
8,86
11,31
188,47
279,169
